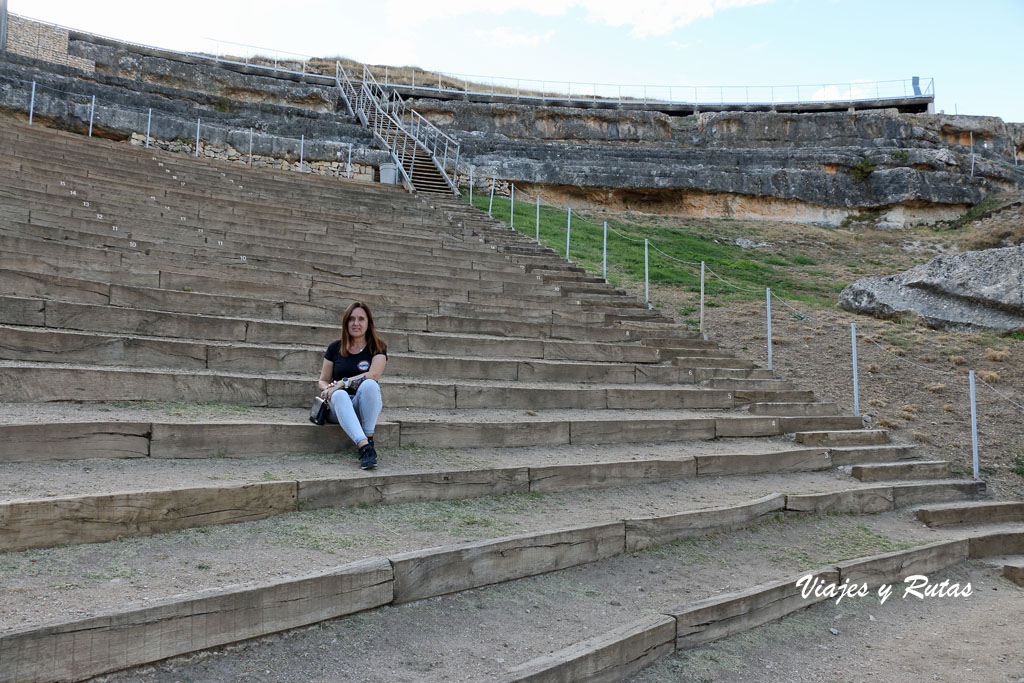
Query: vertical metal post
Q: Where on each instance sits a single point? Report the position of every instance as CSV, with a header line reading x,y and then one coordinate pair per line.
x,y
512,208
470,184
490,204
974,427
302,149
250,147
198,121
92,114
604,254
149,125
702,297
348,164
3,25
647,289
972,153
768,309
568,232
856,388
32,103
538,219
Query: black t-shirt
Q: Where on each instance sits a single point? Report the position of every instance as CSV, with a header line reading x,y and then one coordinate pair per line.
x,y
350,365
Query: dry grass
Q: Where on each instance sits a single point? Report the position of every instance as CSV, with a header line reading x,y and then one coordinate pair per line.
x,y
935,388
997,355
988,375
922,437
957,360
889,424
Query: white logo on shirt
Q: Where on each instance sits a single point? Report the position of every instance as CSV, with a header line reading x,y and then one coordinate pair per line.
x,y
364,365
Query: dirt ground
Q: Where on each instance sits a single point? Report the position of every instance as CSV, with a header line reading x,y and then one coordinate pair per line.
x,y
912,381
479,635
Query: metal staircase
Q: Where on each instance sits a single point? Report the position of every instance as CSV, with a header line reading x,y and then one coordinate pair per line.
x,y
426,157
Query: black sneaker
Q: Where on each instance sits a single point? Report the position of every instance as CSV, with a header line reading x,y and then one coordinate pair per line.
x,y
367,457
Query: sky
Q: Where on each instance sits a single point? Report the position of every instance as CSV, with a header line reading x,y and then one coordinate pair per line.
x,y
969,48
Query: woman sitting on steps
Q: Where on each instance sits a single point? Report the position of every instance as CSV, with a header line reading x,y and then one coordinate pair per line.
x,y
349,380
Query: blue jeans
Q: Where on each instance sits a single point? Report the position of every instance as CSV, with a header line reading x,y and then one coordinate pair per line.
x,y
357,414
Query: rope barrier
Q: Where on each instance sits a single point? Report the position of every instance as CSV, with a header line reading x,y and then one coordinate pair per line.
x,y
610,229
742,289
691,263
1000,394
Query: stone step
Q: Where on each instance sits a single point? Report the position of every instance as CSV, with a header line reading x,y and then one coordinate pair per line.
x,y
984,512
1013,569
856,455
858,437
793,409
253,438
136,509
43,382
893,471
705,374
748,384
713,362
773,396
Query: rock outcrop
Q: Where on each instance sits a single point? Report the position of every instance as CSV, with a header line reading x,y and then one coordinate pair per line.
x,y
974,289
813,167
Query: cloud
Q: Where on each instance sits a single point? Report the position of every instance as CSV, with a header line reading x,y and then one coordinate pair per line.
x,y
510,37
643,17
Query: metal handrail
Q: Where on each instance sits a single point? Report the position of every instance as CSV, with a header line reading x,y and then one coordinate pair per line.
x,y
369,111
441,146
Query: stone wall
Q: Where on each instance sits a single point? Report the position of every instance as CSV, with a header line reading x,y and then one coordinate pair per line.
x,y
43,41
223,151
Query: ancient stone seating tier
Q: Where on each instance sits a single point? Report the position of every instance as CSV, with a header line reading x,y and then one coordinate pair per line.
x,y
128,275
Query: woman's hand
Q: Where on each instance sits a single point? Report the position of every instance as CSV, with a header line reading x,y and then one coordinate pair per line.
x,y
331,388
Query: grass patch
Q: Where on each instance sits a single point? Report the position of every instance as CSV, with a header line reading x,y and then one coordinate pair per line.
x,y
674,253
1017,465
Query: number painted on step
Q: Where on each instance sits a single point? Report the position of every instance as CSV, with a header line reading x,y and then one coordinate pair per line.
x,y
132,244
243,258
174,177
74,193
63,184
200,230
160,164
114,228
220,243
85,204
182,219
99,216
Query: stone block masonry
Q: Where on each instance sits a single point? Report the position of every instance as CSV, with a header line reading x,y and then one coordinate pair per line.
x,y
225,152
42,41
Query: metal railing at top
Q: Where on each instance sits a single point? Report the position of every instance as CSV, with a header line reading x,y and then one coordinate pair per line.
x,y
573,91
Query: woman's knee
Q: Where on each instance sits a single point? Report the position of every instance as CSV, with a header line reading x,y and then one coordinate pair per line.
x,y
340,399
368,386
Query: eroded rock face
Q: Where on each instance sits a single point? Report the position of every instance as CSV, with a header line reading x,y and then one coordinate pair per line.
x,y
904,168
975,289
547,123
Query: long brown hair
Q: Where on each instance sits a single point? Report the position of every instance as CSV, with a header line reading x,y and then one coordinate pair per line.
x,y
373,341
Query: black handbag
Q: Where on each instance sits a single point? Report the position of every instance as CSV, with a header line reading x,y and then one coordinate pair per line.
x,y
318,413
